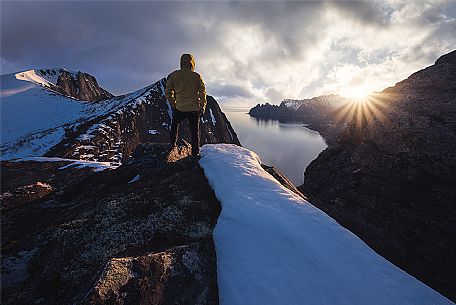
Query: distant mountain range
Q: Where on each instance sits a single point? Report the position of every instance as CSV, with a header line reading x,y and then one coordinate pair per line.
x,y
55,112
319,113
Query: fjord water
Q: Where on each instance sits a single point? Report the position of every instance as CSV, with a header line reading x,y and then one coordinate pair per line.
x,y
289,147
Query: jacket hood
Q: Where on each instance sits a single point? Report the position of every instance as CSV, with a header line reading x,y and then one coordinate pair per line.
x,y
187,61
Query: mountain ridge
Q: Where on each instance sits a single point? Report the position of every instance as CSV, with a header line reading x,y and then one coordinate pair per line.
x,y
78,85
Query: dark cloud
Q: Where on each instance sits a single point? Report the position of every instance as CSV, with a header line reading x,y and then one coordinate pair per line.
x,y
229,91
240,47
366,12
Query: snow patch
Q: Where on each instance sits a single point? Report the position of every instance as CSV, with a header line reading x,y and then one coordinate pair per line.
x,y
33,77
97,166
135,179
293,104
212,117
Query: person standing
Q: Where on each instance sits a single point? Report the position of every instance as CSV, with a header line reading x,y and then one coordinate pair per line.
x,y
186,92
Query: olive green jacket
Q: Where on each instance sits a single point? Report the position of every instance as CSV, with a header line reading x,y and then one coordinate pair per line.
x,y
185,89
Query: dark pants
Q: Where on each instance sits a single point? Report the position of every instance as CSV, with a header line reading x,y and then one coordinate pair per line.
x,y
193,120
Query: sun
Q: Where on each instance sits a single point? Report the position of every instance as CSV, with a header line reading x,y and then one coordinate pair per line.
x,y
364,108
357,93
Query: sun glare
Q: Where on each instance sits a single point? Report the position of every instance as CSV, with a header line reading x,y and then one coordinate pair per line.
x,y
356,93
363,108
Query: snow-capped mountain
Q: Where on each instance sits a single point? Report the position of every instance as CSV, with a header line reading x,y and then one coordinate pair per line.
x,y
319,103
37,119
79,85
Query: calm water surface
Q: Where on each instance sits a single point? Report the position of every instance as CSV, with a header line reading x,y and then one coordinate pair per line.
x,y
290,147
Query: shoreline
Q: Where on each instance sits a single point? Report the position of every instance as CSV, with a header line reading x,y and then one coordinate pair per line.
x,y
326,135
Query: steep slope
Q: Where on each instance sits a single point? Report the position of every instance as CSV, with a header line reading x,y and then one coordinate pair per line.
x,y
391,176
320,113
273,247
36,120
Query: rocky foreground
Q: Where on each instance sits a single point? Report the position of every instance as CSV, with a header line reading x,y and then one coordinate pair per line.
x,y
139,234
77,236
391,176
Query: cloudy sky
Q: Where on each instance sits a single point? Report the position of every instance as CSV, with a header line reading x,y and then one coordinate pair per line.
x,y
247,52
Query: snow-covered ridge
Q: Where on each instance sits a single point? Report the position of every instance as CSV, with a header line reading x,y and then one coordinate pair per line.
x,y
273,247
43,77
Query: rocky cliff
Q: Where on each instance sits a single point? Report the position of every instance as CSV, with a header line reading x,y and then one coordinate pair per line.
x,y
320,113
78,85
390,178
82,86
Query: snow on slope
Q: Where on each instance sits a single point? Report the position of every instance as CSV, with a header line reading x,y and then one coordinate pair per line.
x,y
273,247
34,115
34,118
325,101
38,78
96,166
293,104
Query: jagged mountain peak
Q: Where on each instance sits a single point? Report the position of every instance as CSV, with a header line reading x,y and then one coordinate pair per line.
x,y
75,84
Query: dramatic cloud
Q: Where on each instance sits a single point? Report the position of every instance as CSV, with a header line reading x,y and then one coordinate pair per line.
x,y
248,52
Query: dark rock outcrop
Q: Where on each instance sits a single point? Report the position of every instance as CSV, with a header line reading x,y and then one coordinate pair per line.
x,y
80,85
107,238
178,275
282,179
322,113
391,176
273,112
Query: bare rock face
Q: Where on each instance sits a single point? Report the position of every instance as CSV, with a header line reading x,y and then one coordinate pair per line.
x,y
139,234
83,86
390,178
178,275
